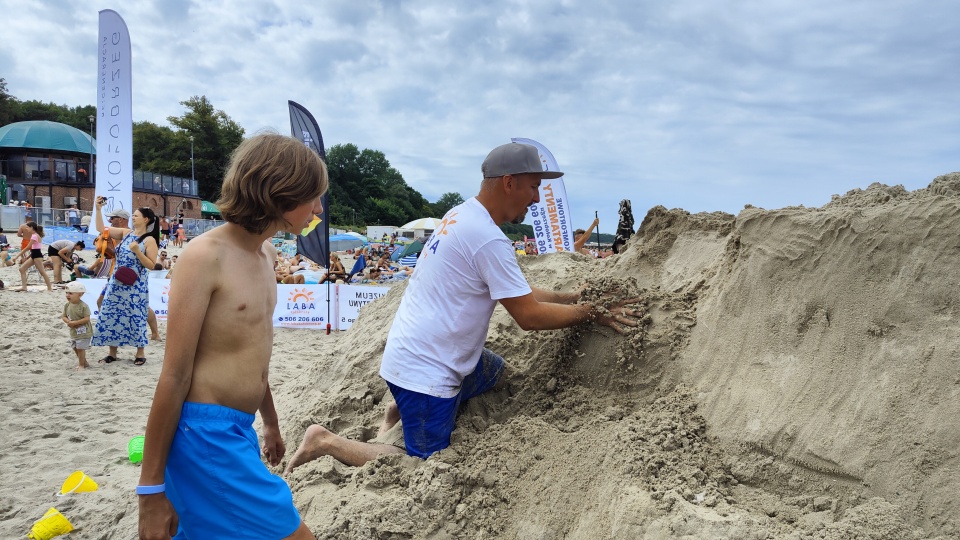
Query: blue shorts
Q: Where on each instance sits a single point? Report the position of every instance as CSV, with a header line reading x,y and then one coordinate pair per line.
x,y
217,483
428,420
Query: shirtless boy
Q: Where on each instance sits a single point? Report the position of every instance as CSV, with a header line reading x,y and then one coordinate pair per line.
x,y
201,467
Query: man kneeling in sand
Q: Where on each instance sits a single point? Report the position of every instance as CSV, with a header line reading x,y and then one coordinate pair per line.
x,y
467,267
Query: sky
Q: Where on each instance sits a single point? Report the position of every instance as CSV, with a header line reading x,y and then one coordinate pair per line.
x,y
689,104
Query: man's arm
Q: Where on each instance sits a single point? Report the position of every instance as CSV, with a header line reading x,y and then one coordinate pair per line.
x,y
190,294
555,297
532,314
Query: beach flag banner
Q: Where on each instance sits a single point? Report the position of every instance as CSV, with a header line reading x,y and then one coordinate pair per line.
x,y
552,229
314,241
114,161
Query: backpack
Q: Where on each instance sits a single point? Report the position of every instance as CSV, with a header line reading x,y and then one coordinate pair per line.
x,y
106,246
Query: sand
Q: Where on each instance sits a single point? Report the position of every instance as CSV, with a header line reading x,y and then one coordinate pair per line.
x,y
795,378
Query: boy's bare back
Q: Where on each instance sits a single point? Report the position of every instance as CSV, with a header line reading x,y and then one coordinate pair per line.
x,y
225,289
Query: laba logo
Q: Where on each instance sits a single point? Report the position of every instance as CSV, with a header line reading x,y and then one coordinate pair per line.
x,y
300,299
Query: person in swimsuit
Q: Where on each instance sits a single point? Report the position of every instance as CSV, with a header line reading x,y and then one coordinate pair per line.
x,y
202,475
33,256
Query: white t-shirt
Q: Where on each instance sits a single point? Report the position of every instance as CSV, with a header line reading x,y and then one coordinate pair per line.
x,y
466,266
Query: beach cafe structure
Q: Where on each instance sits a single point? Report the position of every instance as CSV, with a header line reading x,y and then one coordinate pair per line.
x,y
48,164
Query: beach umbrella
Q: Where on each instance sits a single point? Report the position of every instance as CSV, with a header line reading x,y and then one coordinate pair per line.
x,y
343,242
428,223
207,208
414,248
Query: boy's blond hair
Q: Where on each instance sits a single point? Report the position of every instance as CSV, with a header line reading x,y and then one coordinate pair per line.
x,y
268,175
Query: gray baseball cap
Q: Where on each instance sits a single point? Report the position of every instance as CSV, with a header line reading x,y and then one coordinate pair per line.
x,y
120,213
514,158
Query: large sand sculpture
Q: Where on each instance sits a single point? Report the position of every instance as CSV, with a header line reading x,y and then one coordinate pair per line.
x,y
796,378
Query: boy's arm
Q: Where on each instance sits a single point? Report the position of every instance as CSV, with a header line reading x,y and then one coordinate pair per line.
x,y
189,297
273,446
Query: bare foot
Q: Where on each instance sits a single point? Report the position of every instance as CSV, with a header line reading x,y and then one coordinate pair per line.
x,y
310,449
82,366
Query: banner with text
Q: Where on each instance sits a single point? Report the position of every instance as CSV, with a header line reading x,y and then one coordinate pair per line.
x,y
350,298
298,306
552,227
114,158
301,306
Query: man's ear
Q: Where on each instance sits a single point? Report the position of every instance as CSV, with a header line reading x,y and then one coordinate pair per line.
x,y
509,182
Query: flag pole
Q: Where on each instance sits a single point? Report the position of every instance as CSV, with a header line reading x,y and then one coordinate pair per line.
x,y
326,233
596,216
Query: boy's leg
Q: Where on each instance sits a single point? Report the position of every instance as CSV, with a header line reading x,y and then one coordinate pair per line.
x,y
82,358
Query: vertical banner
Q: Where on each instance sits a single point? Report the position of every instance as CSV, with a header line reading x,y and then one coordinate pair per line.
x,y
114,164
314,241
552,228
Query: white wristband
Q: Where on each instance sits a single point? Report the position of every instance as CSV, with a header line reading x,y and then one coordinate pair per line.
x,y
151,490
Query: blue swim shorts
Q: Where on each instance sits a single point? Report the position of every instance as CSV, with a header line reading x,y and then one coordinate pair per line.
x,y
428,420
217,483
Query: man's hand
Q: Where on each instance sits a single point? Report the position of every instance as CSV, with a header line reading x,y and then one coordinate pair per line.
x,y
158,519
273,446
619,315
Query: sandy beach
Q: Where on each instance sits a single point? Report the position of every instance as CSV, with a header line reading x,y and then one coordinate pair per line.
x,y
796,378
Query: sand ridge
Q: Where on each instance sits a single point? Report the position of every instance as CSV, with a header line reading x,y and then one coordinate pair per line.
x,y
794,378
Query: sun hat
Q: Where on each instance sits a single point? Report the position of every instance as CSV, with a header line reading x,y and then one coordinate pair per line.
x,y
119,212
76,286
514,158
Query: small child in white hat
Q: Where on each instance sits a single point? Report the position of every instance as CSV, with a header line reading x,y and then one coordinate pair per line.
x,y
76,313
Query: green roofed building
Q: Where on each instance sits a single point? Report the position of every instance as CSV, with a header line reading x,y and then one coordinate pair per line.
x,y
48,164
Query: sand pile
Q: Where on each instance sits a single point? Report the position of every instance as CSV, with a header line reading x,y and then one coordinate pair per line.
x,y
795,379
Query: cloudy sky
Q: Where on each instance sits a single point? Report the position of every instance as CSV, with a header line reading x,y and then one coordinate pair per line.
x,y
688,104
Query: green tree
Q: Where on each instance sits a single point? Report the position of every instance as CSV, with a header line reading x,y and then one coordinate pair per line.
x,y
215,136
363,184
8,104
446,202
517,232
160,149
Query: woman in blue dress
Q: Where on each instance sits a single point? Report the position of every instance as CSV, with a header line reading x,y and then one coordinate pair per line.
x,y
122,320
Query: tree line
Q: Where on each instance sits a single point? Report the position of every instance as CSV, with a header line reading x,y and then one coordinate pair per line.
x,y
364,188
